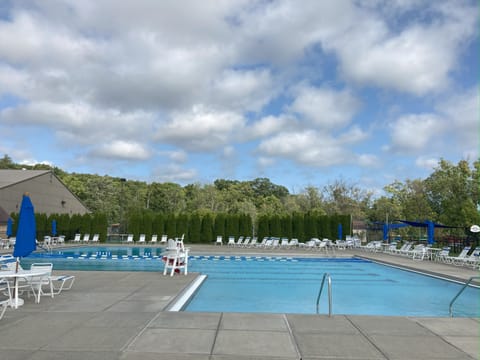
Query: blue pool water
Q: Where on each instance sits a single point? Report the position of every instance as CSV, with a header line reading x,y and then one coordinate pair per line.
x,y
106,258
284,284
291,285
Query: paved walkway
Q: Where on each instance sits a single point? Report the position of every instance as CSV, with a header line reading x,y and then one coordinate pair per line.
x,y
119,315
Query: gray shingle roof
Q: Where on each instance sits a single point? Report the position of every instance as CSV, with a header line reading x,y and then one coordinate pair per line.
x,y
10,177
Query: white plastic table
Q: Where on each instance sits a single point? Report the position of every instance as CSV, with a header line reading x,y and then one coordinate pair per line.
x,y
20,274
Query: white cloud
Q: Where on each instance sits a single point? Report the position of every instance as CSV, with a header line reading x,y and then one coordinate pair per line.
x,y
418,59
307,147
411,133
427,163
270,125
462,111
368,160
126,150
246,90
325,108
201,129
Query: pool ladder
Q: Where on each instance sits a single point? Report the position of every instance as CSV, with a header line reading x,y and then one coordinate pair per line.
x,y
450,309
329,282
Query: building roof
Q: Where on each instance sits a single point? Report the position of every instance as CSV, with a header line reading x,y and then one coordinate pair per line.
x,y
11,177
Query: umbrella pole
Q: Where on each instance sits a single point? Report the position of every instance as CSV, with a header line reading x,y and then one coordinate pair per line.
x,y
15,284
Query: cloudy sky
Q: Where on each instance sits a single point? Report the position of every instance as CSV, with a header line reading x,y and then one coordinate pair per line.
x,y
302,92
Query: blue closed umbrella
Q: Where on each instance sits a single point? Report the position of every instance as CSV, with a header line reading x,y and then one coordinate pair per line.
x,y
54,227
340,232
9,227
25,241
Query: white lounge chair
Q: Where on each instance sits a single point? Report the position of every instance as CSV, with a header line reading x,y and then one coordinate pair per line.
x,y
164,239
219,240
473,258
262,243
443,254
246,242
86,238
61,240
284,243
141,238
61,282
293,243
77,238
154,238
96,238
239,241
231,241
459,259
253,242
130,238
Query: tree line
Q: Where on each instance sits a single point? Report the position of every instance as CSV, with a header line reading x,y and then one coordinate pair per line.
x,y
449,195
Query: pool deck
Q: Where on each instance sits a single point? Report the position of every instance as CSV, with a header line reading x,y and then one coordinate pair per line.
x,y
120,315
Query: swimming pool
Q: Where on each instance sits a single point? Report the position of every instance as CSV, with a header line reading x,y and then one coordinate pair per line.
x,y
291,285
270,284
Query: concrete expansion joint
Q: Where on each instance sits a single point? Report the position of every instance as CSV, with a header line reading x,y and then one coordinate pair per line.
x,y
365,335
216,333
441,338
292,337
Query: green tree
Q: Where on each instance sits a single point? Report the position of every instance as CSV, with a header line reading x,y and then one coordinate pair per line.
x,y
194,228
298,227
219,225
451,193
207,229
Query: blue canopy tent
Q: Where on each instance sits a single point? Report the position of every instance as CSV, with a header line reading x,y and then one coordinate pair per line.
x,y
430,225
388,227
340,232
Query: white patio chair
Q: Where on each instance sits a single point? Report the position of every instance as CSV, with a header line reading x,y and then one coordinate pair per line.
x,y
164,239
96,238
77,238
141,239
154,238
130,238
219,240
38,282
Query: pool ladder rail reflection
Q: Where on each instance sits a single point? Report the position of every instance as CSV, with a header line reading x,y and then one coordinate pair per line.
x,y
327,277
450,309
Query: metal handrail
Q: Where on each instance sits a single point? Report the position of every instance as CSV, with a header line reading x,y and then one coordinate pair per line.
x,y
329,282
450,309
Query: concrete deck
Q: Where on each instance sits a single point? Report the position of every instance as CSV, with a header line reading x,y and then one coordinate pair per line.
x,y
120,315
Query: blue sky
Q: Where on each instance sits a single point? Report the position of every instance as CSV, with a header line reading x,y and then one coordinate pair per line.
x,y
301,92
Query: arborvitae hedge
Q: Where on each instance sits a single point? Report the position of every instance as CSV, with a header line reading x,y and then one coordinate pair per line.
x,y
198,228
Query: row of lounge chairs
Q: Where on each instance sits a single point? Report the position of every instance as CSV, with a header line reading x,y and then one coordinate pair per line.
x,y
285,243
467,257
78,238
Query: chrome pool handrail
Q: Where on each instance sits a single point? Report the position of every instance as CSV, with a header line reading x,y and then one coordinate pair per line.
x,y
329,282
450,309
